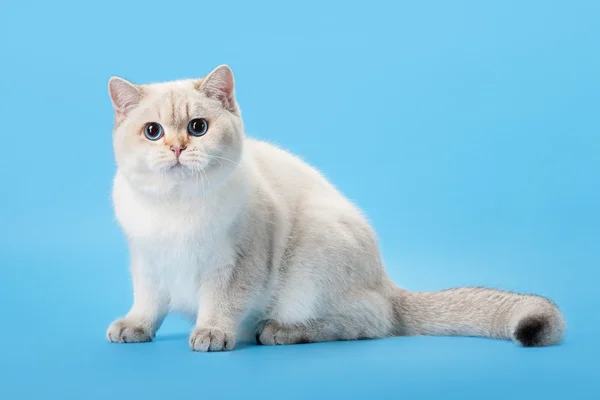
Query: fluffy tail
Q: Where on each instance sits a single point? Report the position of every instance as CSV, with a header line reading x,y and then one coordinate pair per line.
x,y
527,319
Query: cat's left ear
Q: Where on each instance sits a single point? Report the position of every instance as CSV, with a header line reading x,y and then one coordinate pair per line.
x,y
124,95
219,84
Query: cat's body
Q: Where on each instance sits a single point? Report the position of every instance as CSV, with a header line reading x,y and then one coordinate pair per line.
x,y
229,229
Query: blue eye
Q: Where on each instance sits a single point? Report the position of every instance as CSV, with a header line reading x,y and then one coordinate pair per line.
x,y
153,131
197,127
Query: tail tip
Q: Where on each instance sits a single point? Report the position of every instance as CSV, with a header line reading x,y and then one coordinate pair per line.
x,y
538,330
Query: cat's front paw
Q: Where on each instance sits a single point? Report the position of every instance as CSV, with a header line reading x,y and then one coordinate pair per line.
x,y
128,331
211,339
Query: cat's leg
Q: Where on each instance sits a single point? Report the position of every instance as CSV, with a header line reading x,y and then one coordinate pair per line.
x,y
363,315
332,282
147,313
224,297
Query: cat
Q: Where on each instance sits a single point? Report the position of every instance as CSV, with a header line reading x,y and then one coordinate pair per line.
x,y
236,232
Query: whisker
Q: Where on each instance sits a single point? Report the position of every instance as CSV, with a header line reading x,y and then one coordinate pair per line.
x,y
226,159
207,180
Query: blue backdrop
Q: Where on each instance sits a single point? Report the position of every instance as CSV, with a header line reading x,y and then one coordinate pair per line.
x,y
468,131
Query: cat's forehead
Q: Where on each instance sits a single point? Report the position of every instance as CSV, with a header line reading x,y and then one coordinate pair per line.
x,y
175,103
172,93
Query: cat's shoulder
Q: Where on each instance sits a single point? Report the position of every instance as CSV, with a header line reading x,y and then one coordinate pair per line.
x,y
280,164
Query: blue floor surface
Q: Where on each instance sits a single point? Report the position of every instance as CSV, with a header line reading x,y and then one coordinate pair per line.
x,y
469,133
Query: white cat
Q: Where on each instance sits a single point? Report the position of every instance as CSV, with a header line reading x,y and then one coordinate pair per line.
x,y
229,229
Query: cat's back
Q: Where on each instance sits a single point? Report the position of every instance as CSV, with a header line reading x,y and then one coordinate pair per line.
x,y
297,186
284,169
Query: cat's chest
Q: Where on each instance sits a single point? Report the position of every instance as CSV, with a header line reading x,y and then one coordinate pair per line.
x,y
168,223
177,245
162,224
180,244
178,255
179,241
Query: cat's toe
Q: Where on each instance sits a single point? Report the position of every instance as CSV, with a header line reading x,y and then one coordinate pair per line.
x,y
267,333
125,331
211,339
272,333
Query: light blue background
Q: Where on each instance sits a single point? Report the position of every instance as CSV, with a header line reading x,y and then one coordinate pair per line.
x,y
468,131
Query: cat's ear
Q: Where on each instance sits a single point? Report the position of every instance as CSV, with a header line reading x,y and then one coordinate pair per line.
x,y
219,84
124,95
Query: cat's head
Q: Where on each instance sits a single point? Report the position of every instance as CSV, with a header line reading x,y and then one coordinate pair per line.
x,y
177,134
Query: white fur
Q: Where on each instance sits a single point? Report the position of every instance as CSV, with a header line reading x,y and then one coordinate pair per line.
x,y
238,230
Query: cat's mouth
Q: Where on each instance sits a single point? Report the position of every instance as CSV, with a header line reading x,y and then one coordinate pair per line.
x,y
181,165
172,165
178,165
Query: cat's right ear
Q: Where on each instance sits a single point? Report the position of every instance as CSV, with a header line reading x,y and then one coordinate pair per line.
x,y
124,95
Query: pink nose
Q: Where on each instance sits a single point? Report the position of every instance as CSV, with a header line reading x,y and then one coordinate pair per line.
x,y
177,150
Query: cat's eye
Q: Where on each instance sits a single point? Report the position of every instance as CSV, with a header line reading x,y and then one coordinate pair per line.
x,y
153,131
197,127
